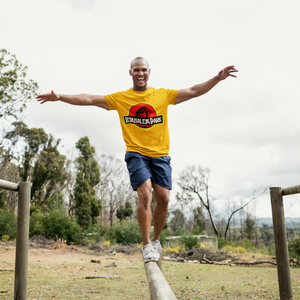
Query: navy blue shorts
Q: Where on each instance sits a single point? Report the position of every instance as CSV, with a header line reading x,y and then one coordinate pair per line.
x,y
141,168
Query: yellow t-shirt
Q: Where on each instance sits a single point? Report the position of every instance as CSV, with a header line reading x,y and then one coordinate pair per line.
x,y
143,118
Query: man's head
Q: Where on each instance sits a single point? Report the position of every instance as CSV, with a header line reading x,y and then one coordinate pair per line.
x,y
139,71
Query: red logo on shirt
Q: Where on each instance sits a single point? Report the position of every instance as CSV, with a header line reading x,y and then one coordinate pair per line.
x,y
143,115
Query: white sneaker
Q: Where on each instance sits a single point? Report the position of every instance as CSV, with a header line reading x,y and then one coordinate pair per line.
x,y
149,254
156,247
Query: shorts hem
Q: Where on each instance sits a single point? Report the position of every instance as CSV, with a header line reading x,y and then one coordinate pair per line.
x,y
139,184
165,187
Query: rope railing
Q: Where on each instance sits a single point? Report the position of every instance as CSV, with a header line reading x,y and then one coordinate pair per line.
x,y
280,238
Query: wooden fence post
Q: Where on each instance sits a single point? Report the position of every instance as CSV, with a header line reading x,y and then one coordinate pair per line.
x,y
21,262
281,247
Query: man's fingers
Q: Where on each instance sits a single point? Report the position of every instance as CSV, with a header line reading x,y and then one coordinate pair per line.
x,y
42,95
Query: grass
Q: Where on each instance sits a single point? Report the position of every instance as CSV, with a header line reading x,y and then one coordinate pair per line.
x,y
54,274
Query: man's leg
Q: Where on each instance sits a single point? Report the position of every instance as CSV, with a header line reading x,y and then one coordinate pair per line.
x,y
162,196
144,214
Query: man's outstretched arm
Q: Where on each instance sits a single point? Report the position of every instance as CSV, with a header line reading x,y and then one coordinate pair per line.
x,y
202,88
82,99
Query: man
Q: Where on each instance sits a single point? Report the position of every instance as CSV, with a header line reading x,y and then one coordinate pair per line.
x,y
143,116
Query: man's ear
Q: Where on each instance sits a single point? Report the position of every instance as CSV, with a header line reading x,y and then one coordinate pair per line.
x,y
130,73
149,71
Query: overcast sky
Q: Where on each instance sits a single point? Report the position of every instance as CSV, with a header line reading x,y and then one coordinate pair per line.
x,y
246,130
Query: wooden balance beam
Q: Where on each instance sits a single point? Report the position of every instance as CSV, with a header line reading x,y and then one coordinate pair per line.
x,y
158,285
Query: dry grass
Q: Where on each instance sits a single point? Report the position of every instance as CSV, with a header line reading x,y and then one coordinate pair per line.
x,y
60,274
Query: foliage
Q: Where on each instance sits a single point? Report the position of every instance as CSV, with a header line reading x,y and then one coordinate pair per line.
x,y
222,242
247,244
196,231
234,249
55,224
107,244
194,182
178,220
199,219
4,238
9,172
128,232
8,223
249,228
267,235
15,90
41,163
114,188
164,234
123,212
294,249
176,249
190,242
33,139
87,206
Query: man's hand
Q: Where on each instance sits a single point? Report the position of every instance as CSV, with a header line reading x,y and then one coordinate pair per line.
x,y
48,97
223,74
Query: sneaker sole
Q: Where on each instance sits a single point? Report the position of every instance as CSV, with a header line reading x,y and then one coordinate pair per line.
x,y
150,259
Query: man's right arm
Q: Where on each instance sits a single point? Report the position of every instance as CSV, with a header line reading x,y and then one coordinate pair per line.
x,y
81,99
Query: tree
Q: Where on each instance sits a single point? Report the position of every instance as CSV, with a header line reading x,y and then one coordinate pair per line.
x,y
15,90
41,163
194,180
178,220
199,218
33,139
114,188
87,206
124,212
249,228
9,172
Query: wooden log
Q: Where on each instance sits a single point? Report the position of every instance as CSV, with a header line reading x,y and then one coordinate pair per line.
x,y
100,276
166,258
95,261
158,286
7,185
254,262
291,190
281,247
7,270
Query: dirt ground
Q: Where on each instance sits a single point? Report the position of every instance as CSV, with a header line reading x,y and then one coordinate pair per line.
x,y
61,274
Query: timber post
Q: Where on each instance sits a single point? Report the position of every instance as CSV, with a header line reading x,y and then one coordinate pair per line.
x,y
281,245
21,262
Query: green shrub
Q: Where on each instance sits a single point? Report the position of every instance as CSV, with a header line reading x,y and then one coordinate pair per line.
x,y
54,224
222,242
196,230
190,241
164,234
126,231
179,231
36,224
8,224
247,244
294,249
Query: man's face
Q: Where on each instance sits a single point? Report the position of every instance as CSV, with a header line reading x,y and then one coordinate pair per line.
x,y
140,74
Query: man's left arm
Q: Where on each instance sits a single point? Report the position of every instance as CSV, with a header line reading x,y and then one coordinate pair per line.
x,y
202,88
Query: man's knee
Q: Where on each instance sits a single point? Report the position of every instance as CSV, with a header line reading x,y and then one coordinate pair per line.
x,y
163,201
145,195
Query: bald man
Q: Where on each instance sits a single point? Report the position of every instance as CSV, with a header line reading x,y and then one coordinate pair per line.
x,y
143,117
